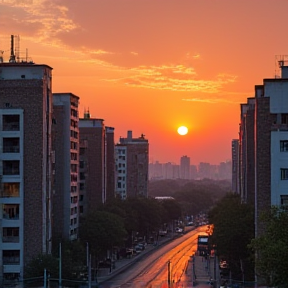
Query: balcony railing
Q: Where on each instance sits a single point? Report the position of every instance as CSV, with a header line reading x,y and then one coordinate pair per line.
x,y
10,239
11,126
11,260
11,171
280,127
10,217
11,149
8,194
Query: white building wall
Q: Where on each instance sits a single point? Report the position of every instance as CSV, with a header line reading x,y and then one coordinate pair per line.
x,y
121,171
278,93
278,160
13,200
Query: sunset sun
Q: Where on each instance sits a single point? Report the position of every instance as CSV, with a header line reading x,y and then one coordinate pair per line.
x,y
183,130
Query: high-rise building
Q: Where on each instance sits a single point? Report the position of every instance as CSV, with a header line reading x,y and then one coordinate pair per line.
x,y
109,163
247,152
204,170
193,172
269,159
92,163
132,158
185,167
235,166
25,165
66,146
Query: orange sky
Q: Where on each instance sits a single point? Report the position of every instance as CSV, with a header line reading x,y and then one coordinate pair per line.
x,y
152,65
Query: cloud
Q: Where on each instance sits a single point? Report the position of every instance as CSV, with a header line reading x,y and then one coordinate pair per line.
x,y
212,101
174,78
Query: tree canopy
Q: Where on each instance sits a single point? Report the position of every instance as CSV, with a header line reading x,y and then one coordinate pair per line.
x,y
271,248
233,231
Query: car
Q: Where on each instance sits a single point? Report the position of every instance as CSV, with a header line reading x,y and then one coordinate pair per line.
x,y
138,249
163,233
178,230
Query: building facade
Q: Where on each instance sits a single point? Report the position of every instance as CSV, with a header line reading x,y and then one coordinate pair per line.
x,y
185,167
263,140
66,179
25,165
132,158
92,158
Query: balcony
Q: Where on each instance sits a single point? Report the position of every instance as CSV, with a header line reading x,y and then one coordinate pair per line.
x,y
11,122
279,127
10,239
11,211
10,190
10,235
11,260
11,167
11,257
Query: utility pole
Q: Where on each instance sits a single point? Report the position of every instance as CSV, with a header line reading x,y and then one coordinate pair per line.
x,y
45,278
89,272
215,263
60,265
169,277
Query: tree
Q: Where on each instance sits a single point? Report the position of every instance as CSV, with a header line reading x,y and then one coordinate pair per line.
x,y
102,230
172,210
37,265
233,231
271,248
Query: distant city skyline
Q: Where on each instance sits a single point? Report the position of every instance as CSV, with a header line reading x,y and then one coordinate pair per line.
x,y
191,161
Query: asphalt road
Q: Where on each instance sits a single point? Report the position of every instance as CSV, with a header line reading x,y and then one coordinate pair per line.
x,y
167,264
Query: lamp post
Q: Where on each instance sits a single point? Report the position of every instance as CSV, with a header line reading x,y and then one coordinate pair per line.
x,y
60,266
215,263
169,274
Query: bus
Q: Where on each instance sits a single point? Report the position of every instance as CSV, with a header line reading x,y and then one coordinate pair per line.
x,y
203,245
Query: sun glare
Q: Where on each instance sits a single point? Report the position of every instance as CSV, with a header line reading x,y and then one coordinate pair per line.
x,y
183,130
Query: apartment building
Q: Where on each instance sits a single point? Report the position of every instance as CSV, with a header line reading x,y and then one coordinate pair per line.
x,y
132,157
235,166
264,145
185,167
109,163
92,163
66,147
25,165
247,152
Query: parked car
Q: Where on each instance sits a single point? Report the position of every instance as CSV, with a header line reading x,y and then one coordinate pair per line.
x,y
178,230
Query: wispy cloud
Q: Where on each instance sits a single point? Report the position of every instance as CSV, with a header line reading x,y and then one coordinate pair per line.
x,y
212,101
174,78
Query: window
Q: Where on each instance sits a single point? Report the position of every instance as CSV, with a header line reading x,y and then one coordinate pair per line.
x,y
11,235
11,122
11,211
11,167
284,200
11,145
284,173
284,145
10,190
284,119
11,257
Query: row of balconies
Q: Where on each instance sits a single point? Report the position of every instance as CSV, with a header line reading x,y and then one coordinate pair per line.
x,y
279,127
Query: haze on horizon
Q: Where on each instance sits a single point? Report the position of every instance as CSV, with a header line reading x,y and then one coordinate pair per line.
x,y
152,66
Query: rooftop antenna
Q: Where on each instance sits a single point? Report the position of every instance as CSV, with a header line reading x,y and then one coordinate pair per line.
x,y
17,47
12,55
1,56
87,114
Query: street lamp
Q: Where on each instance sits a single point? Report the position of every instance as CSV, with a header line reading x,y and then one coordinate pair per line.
x,y
169,276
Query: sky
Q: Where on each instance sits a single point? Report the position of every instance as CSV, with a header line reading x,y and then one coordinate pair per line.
x,y
150,66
